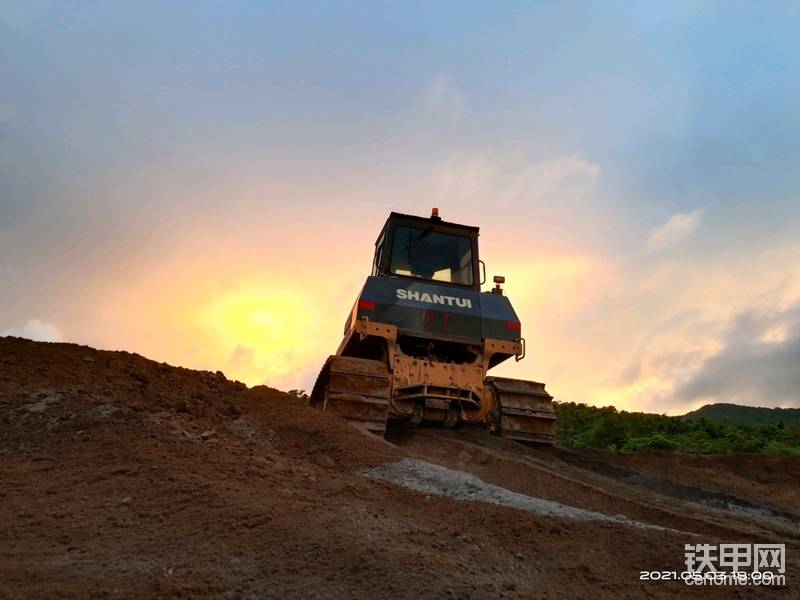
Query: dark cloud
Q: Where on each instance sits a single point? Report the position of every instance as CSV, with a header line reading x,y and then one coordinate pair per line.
x,y
749,369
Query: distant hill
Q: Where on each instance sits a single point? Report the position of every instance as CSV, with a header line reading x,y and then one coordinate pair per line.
x,y
734,414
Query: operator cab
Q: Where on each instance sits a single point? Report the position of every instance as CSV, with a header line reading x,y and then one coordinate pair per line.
x,y
430,249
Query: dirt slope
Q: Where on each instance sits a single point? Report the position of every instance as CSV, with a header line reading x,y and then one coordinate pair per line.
x,y
126,478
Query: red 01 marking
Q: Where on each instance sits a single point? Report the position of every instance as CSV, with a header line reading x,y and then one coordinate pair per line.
x,y
430,318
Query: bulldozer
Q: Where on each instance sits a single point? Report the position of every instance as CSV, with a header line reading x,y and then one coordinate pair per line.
x,y
421,337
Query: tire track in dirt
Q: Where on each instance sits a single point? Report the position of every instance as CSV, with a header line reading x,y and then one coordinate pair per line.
x,y
542,473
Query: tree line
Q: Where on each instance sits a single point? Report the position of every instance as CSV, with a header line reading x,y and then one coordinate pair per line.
x,y
581,425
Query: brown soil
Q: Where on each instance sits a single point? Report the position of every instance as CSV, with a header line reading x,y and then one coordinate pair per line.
x,y
125,478
774,481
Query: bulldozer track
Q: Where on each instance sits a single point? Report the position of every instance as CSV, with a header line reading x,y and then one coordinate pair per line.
x,y
523,410
356,389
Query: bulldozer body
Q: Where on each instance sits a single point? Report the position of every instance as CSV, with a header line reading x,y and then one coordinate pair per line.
x,y
421,337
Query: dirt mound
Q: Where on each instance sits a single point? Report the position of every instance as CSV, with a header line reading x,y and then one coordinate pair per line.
x,y
52,395
126,478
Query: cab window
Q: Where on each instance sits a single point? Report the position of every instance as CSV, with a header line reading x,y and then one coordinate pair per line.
x,y
428,254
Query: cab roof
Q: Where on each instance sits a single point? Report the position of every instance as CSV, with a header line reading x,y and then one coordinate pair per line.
x,y
427,222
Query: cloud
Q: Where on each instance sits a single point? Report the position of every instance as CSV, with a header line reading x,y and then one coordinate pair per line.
x,y
679,227
758,364
35,330
441,99
509,180
464,177
669,336
550,180
242,355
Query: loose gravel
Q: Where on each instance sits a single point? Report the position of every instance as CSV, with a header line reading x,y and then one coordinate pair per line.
x,y
440,481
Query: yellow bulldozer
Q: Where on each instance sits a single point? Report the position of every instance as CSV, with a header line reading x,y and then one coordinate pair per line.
x,y
421,338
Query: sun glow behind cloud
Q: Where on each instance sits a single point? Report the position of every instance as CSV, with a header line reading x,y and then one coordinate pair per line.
x,y
254,329
266,330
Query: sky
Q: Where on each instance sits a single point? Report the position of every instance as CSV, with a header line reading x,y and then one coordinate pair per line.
x,y
202,183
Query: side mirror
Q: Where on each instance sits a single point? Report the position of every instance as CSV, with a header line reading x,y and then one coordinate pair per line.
x,y
483,271
498,279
